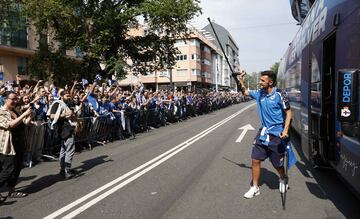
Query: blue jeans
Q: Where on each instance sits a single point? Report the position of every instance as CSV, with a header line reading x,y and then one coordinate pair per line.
x,y
67,153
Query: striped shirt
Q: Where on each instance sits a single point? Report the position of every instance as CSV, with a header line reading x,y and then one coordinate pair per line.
x,y
6,145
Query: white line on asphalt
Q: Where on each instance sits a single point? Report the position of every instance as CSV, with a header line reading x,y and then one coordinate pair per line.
x,y
150,165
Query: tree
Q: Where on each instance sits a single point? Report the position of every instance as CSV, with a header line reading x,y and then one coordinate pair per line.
x,y
251,81
275,67
7,8
100,29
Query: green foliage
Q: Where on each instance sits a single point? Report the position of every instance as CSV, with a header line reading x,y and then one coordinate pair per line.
x,y
100,29
7,9
251,81
275,67
55,66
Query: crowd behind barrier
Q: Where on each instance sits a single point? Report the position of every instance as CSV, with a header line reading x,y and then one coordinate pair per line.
x,y
106,113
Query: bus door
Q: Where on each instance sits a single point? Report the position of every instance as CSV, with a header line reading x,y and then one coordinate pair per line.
x,y
305,102
328,101
322,101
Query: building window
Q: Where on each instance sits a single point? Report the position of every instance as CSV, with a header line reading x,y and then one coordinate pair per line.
x,y
14,33
180,43
163,73
205,49
149,74
195,72
195,56
204,74
181,57
206,62
22,65
181,72
195,42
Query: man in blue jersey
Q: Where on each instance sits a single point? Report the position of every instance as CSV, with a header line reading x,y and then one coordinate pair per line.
x,y
275,116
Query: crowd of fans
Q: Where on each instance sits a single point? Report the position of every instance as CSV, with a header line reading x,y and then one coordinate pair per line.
x,y
129,111
103,112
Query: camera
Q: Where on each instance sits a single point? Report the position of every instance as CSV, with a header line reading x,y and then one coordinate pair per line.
x,y
31,105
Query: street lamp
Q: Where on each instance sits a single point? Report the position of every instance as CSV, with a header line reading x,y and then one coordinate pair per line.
x,y
169,66
169,77
171,81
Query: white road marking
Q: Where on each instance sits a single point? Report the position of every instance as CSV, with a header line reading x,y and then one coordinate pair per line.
x,y
245,128
148,166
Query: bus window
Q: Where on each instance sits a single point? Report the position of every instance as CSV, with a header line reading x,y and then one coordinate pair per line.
x,y
315,70
315,85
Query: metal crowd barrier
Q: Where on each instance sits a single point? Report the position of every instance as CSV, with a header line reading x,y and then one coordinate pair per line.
x,y
42,141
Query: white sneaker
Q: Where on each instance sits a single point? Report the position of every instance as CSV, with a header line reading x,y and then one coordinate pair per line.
x,y
283,186
253,191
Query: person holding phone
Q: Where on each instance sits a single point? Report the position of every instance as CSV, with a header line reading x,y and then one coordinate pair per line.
x,y
11,143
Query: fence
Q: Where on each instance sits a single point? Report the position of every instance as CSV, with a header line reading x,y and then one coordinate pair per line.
x,y
41,140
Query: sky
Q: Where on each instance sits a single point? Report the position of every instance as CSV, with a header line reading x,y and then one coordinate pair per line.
x,y
262,29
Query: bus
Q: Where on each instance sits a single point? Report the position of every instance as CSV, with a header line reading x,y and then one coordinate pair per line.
x,y
321,73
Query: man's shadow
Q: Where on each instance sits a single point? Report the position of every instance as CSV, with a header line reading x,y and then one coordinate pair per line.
x,y
89,164
8,217
49,180
269,178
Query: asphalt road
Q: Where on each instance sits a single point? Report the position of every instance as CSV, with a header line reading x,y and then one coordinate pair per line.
x,y
191,169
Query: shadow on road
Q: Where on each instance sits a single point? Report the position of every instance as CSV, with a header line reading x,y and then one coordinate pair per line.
x,y
49,180
328,186
268,178
89,164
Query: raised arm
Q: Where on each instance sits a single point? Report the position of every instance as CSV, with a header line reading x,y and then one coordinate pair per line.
x,y
18,79
20,119
73,88
244,90
92,88
37,86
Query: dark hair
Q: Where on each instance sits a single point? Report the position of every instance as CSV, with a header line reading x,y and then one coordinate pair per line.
x,y
62,93
271,75
7,94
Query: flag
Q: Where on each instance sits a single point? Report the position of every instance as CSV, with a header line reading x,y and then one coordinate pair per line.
x,y
54,92
8,86
93,102
291,156
112,82
84,82
98,78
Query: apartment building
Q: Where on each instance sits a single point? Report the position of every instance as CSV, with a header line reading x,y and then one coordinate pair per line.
x,y
200,61
193,68
200,64
231,50
18,44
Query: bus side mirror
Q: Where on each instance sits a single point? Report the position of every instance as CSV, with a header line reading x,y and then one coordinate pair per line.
x,y
348,102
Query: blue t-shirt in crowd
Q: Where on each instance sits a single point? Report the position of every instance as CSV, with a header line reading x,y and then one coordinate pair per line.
x,y
152,104
103,108
41,109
